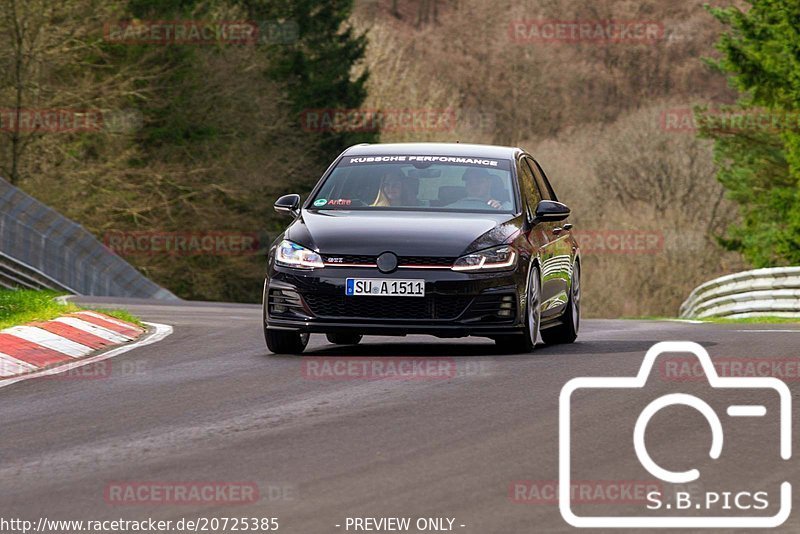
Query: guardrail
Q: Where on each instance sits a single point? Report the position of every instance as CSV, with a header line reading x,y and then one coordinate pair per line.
x,y
760,292
40,248
14,274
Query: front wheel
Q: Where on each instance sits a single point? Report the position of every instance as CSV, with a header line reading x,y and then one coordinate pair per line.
x,y
567,331
525,342
285,341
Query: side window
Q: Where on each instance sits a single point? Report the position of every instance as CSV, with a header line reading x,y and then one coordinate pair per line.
x,y
541,180
528,187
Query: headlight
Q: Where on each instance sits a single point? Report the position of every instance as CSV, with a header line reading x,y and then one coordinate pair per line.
x,y
293,255
499,258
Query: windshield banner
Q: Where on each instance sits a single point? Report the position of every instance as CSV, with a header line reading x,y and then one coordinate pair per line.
x,y
412,159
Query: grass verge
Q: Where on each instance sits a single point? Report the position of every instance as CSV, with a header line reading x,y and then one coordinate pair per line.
x,y
752,320
25,306
122,315
723,320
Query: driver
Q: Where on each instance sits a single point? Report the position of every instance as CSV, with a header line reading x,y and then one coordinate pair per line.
x,y
397,190
478,184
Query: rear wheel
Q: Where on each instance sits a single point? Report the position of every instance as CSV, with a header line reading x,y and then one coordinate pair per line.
x,y
525,342
344,338
567,331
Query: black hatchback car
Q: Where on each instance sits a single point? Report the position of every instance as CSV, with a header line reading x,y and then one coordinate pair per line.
x,y
450,240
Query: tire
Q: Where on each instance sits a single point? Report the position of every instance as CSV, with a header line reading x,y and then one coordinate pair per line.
x,y
285,341
281,341
567,331
526,342
344,339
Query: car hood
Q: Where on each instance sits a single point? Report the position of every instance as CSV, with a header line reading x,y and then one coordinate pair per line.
x,y
404,233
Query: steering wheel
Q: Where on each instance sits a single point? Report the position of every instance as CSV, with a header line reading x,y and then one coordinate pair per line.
x,y
476,201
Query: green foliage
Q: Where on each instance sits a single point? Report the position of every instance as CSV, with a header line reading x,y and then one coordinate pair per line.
x,y
171,119
143,9
122,315
759,160
25,306
768,319
762,51
319,66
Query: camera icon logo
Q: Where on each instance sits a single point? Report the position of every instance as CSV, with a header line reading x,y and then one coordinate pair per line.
x,y
735,412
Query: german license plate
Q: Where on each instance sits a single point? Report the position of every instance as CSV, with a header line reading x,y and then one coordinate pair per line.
x,y
382,287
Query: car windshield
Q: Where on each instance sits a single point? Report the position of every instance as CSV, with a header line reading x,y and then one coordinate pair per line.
x,y
409,182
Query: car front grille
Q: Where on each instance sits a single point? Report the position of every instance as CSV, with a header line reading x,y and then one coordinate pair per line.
x,y
368,307
427,261
350,259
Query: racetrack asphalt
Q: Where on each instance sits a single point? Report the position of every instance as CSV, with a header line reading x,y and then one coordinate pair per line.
x,y
210,404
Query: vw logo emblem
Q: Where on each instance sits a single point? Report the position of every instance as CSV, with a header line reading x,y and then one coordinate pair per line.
x,y
387,262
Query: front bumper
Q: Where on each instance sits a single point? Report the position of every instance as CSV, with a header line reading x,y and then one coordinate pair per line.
x,y
455,304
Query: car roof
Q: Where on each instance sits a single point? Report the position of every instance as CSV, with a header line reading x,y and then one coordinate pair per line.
x,y
434,149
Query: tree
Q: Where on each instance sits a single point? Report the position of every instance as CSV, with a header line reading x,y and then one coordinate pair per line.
x,y
757,142
322,66
40,41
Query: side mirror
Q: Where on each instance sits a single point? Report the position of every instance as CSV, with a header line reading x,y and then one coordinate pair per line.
x,y
288,204
551,211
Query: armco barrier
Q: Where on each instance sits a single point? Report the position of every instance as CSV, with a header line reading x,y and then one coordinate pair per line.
x,y
40,248
760,292
15,274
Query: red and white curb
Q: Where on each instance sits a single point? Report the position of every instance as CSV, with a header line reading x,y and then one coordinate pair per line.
x,y
51,347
